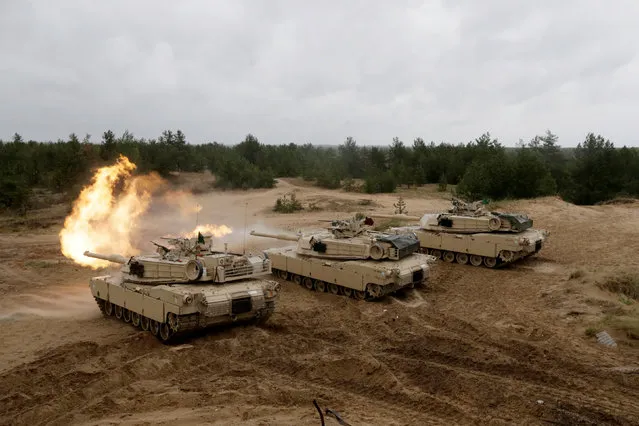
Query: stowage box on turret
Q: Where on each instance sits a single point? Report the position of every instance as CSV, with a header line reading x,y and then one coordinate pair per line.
x,y
468,233
184,286
350,260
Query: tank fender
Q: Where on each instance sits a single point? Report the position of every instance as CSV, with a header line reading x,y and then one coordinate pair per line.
x,y
100,288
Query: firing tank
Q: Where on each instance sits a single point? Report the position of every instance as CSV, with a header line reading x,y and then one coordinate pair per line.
x,y
468,233
349,259
185,286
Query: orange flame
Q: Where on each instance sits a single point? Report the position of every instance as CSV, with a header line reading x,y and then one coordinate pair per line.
x,y
217,231
101,223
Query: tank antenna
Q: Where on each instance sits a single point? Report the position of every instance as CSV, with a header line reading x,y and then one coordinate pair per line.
x,y
245,208
197,213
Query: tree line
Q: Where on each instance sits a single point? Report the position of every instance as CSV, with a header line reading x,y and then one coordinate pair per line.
x,y
594,171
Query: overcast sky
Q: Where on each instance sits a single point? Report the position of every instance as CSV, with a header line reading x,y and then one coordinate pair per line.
x,y
302,71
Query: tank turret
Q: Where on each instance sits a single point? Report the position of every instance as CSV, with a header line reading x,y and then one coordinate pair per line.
x,y
186,285
349,239
349,259
184,260
467,218
468,233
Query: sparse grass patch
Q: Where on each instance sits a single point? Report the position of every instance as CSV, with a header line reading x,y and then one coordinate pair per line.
x,y
599,302
578,273
625,283
203,188
628,325
391,223
352,185
494,206
625,299
619,320
313,207
287,203
616,201
35,219
591,331
40,264
335,204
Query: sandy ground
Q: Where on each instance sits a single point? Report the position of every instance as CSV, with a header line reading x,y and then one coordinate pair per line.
x,y
477,346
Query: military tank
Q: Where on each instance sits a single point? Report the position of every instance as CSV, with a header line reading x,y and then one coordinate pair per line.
x,y
468,233
184,286
349,259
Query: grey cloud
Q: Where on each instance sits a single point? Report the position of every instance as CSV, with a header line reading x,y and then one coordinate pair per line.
x,y
292,71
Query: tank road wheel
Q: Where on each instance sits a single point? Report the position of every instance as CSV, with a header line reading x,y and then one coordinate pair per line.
x,y
126,315
297,279
100,303
462,258
436,253
173,321
308,283
165,332
145,323
507,255
154,327
359,294
135,319
333,288
476,260
320,286
108,308
283,274
449,257
490,262
118,312
374,290
347,291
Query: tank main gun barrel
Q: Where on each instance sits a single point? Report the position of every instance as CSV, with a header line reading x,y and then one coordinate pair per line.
x,y
395,216
280,236
115,258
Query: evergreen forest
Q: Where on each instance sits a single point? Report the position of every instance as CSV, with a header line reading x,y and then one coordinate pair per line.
x,y
593,172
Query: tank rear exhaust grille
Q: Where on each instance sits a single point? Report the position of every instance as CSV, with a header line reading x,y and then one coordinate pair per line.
x,y
537,245
239,271
418,276
393,253
241,305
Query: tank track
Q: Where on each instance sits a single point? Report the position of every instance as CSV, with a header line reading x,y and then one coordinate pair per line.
x,y
176,325
474,260
325,287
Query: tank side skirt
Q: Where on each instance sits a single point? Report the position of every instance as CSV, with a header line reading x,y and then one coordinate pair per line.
x,y
489,248
349,279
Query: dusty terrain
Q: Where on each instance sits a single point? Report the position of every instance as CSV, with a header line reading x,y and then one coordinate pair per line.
x,y
477,346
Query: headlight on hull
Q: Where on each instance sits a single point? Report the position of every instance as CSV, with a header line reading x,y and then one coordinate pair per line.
x,y
523,241
269,293
272,291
